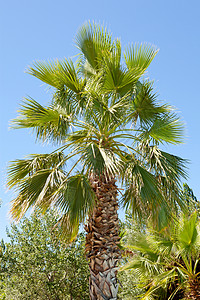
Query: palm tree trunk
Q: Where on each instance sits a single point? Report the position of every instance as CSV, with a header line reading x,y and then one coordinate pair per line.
x,y
102,240
194,289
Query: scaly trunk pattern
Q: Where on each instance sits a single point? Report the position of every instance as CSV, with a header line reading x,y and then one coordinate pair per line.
x,y
194,289
102,240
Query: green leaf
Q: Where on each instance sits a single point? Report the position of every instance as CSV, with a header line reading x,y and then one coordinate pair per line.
x,y
35,188
21,168
139,57
188,232
75,199
167,128
145,104
142,191
94,42
58,74
46,72
49,123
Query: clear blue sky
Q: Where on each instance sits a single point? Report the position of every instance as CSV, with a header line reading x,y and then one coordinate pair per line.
x,y
42,30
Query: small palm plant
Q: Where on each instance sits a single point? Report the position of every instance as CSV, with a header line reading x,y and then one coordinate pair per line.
x,y
108,123
168,263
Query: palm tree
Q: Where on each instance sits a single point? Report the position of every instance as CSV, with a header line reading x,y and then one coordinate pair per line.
x,y
107,117
167,263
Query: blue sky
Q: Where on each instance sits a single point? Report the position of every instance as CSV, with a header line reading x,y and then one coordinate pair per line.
x,y
42,30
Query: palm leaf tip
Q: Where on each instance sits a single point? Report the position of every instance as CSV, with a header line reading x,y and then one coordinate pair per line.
x,y
93,40
49,123
167,128
140,56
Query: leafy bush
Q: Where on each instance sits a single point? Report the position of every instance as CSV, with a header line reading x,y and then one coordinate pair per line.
x,y
35,265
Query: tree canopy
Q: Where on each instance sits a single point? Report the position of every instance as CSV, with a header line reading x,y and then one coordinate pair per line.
x,y
35,265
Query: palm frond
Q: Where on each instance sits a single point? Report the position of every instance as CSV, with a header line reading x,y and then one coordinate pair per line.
x,y
64,99
142,191
31,189
21,168
48,122
145,104
68,75
116,78
188,233
165,164
58,74
75,199
139,56
94,42
167,128
46,72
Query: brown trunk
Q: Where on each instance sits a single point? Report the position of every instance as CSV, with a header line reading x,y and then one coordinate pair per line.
x,y
194,289
102,240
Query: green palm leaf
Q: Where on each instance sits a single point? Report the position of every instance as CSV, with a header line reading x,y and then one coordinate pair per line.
x,y
46,72
167,129
69,76
75,199
144,104
139,57
188,232
58,74
172,167
49,122
94,42
21,168
142,191
34,188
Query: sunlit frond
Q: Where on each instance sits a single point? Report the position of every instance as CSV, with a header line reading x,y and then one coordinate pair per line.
x,y
49,123
167,128
33,188
139,56
188,233
58,74
116,78
145,105
94,42
21,168
46,72
68,75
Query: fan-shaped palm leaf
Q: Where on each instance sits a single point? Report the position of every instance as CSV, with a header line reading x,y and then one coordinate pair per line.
x,y
58,74
168,260
21,168
94,42
145,104
50,123
139,56
167,128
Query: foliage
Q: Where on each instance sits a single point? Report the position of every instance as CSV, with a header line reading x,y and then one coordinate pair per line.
x,y
108,119
167,262
128,288
35,265
191,200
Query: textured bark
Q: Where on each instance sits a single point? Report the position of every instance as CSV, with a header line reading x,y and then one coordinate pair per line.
x,y
102,240
194,289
